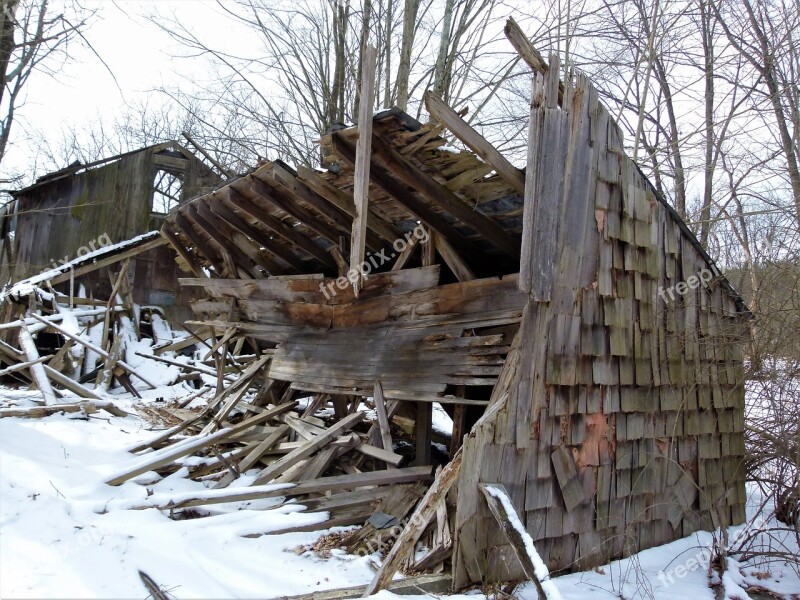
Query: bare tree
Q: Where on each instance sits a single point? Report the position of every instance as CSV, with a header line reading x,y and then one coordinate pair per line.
x,y
33,38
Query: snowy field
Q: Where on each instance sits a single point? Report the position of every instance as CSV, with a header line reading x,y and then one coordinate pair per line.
x,y
66,534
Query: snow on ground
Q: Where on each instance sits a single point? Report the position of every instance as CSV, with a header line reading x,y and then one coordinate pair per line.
x,y
66,534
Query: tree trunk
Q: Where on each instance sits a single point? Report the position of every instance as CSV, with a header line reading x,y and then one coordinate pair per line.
x,y
406,44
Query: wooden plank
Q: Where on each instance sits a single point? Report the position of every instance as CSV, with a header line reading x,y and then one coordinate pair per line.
x,y
361,175
316,486
528,52
383,418
308,449
92,347
109,260
381,177
168,455
438,195
453,260
475,141
182,252
502,510
330,192
424,512
263,216
36,369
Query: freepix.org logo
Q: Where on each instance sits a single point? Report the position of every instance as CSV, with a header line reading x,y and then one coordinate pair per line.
x,y
682,288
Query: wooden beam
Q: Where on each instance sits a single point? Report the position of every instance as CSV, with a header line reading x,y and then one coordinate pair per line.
x,y
290,234
201,245
182,251
189,446
224,240
36,369
528,53
322,204
438,195
383,419
224,212
380,176
475,142
401,261
327,190
108,260
225,172
453,260
91,347
308,448
419,520
503,511
423,428
260,189
361,175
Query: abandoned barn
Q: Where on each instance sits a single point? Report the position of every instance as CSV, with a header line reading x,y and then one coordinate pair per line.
x,y
585,346
71,213
530,304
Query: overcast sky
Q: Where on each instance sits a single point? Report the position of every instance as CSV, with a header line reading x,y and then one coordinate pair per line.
x,y
124,34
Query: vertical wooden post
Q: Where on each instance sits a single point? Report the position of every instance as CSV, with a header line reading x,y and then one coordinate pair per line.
x,y
363,152
423,429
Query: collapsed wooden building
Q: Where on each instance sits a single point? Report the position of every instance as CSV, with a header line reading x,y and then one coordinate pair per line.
x,y
538,307
83,208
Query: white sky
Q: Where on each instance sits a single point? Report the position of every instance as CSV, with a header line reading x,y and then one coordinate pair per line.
x,y
138,54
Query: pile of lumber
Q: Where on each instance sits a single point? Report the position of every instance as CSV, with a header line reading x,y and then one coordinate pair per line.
x,y
73,347
328,457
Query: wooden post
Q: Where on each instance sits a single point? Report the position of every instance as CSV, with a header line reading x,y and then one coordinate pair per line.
x,y
28,346
423,430
363,151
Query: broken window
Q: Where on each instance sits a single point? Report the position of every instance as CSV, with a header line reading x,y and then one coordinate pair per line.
x,y
167,191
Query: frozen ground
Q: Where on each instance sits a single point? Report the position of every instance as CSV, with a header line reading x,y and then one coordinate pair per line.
x,y
65,534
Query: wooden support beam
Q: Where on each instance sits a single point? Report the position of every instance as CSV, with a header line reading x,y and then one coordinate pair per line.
x,y
280,228
438,195
223,239
528,53
426,509
402,259
225,172
259,189
108,260
91,347
423,428
167,456
453,260
220,210
361,175
36,369
201,245
181,250
308,448
327,190
475,142
383,418
521,543
380,176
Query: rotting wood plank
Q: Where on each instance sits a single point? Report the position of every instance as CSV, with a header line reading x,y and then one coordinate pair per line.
x,y
316,486
93,348
36,368
475,141
500,511
528,52
307,449
424,512
439,195
169,455
381,177
361,176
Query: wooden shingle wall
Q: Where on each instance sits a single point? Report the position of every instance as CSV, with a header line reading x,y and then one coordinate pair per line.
x,y
620,409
